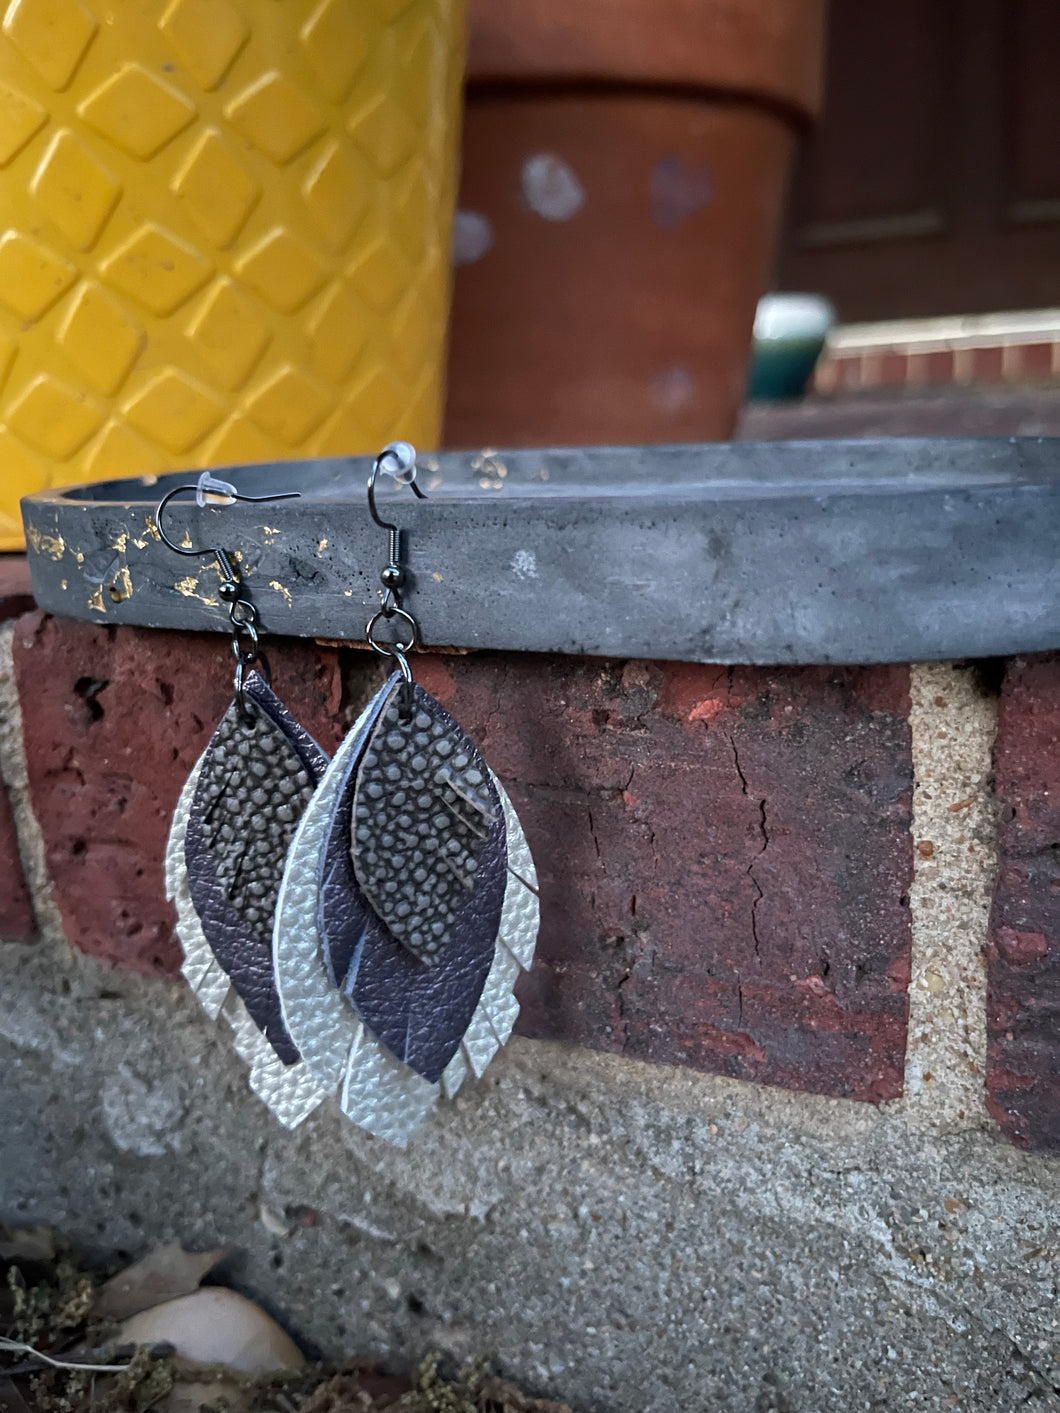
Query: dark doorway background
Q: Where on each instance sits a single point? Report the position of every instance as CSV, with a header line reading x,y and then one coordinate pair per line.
x,y
932,185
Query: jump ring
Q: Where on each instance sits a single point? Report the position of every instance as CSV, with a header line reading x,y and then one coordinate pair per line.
x,y
247,613
398,648
249,632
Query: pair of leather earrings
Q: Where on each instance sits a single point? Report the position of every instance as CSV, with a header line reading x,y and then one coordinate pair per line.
x,y
360,922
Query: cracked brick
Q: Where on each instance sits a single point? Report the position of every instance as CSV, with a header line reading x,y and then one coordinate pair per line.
x,y
16,908
16,593
1023,957
724,854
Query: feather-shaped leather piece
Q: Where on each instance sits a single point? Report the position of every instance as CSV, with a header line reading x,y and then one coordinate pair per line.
x,y
423,809
255,779
419,1012
340,941
374,1089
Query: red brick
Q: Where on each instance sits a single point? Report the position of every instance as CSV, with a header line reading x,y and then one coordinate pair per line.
x,y
113,720
988,364
848,370
892,370
16,594
724,854
1036,361
724,857
938,367
1023,1056
16,909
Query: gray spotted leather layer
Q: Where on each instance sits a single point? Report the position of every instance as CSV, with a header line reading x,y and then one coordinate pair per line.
x,y
258,774
436,831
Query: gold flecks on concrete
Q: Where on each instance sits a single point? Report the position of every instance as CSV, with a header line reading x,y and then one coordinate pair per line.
x,y
54,546
121,586
954,721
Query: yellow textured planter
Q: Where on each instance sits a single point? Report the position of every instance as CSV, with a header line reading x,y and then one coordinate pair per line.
x,y
225,232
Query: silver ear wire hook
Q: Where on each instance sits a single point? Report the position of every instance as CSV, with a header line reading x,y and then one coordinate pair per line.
x,y
242,612
398,459
207,484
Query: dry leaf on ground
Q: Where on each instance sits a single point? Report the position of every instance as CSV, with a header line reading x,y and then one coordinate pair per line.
x,y
164,1274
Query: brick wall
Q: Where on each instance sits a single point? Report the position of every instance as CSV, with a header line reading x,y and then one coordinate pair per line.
x,y
1024,953
726,855
963,350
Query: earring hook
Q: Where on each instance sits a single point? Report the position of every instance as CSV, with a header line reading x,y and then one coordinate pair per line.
x,y
205,484
398,460
242,612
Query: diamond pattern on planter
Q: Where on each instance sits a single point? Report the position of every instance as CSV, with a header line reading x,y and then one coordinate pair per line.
x,y
51,35
239,442
21,117
288,405
75,190
411,200
8,349
99,339
228,332
390,9
384,132
19,461
158,269
175,410
377,399
276,116
337,46
206,36
137,111
216,189
32,277
118,451
53,417
336,191
146,362
337,334
380,275
408,335
283,270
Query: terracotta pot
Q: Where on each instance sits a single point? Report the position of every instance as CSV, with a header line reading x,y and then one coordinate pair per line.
x,y
624,169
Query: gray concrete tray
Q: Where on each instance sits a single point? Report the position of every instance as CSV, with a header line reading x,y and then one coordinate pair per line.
x,y
769,552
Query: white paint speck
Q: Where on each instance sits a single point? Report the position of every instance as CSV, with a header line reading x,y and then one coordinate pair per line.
x,y
550,187
679,189
472,237
672,389
524,564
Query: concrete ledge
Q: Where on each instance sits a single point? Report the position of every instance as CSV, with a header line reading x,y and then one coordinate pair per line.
x,y
774,552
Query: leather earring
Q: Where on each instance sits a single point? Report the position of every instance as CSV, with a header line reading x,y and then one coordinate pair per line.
x,y
228,843
409,903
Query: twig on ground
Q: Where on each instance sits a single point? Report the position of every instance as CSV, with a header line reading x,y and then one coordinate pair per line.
x,y
16,1346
